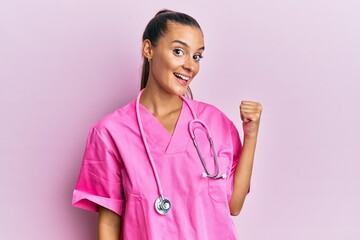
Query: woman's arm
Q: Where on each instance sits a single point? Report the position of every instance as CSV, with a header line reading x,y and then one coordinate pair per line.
x,y
250,113
109,225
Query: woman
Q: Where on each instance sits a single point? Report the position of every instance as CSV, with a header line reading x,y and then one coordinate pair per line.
x,y
143,171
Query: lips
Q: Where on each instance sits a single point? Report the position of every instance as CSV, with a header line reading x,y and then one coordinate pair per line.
x,y
182,77
184,80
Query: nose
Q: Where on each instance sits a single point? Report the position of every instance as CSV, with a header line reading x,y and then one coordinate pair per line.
x,y
189,64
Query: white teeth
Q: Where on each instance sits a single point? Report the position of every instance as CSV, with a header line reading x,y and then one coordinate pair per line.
x,y
182,77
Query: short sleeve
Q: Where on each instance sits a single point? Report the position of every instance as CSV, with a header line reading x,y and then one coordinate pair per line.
x,y
99,181
236,149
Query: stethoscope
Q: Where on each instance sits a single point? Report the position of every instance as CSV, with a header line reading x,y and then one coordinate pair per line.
x,y
162,204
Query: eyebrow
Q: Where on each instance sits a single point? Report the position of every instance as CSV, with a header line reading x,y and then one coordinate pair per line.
x,y
185,44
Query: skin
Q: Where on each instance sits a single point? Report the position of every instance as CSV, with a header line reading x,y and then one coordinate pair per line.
x,y
109,224
179,51
250,114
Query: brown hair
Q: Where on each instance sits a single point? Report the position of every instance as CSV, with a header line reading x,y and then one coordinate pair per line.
x,y
156,28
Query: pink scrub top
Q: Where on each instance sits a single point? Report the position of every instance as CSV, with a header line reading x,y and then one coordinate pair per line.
x,y
116,174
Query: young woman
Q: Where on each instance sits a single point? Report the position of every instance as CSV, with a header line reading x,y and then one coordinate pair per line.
x,y
165,166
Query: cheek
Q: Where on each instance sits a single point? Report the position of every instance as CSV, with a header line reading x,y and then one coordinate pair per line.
x,y
174,63
196,69
165,64
157,67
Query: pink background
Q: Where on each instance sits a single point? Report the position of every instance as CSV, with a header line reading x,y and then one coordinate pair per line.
x,y
65,64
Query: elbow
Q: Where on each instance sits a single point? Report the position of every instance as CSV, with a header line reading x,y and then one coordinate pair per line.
x,y
237,201
235,207
234,211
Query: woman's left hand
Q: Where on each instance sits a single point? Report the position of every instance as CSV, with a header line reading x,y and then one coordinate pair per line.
x,y
250,113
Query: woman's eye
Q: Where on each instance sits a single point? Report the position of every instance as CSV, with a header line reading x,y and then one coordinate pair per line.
x,y
197,57
178,52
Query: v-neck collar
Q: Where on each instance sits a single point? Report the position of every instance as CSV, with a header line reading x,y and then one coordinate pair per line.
x,y
158,137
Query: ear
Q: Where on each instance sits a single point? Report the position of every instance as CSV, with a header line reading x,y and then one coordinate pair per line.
x,y
147,50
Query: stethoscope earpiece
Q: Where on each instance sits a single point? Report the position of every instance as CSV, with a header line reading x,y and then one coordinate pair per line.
x,y
223,176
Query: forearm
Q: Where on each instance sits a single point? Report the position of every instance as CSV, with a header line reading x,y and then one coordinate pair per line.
x,y
109,225
242,176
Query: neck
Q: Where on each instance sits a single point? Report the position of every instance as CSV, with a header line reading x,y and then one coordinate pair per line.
x,y
160,103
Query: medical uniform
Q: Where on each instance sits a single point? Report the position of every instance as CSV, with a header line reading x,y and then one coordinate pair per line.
x,y
116,174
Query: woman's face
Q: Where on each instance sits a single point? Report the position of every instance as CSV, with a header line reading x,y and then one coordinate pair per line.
x,y
175,60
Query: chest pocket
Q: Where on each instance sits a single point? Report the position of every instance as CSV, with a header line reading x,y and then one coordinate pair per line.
x,y
217,188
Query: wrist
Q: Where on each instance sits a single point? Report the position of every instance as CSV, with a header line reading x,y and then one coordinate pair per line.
x,y
250,141
250,138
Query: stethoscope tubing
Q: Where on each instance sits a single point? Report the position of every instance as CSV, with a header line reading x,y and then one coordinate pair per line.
x,y
146,145
211,142
162,204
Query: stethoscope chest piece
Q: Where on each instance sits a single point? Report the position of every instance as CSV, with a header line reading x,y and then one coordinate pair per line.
x,y
162,205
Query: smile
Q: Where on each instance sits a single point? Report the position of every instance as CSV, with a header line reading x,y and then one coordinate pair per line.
x,y
182,77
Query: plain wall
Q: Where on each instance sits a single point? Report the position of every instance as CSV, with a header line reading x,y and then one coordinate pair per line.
x,y
65,64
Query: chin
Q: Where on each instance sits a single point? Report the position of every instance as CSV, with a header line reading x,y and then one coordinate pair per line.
x,y
180,92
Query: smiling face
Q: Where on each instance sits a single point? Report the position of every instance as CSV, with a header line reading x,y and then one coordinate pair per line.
x,y
175,60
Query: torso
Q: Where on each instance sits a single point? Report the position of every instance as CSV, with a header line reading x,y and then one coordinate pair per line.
x,y
200,205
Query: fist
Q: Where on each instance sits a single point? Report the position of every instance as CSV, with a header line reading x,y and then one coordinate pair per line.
x,y
250,114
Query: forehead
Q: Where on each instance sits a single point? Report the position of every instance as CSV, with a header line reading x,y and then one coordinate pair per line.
x,y
189,34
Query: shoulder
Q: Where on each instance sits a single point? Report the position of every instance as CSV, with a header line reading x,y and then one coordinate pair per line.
x,y
119,119
221,126
206,110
